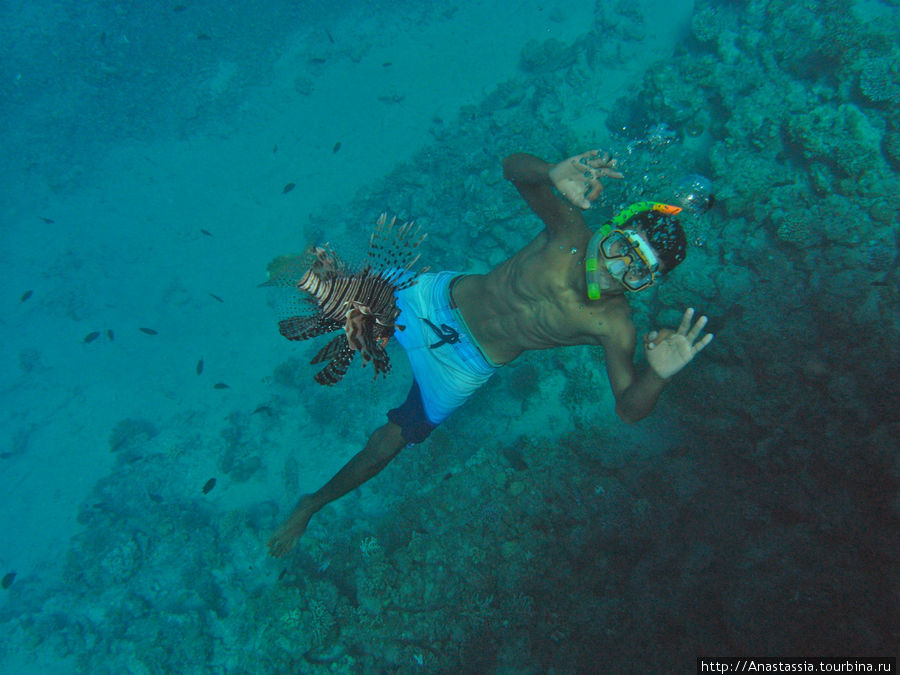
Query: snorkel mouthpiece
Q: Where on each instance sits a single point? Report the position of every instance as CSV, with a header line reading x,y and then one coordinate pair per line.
x,y
617,268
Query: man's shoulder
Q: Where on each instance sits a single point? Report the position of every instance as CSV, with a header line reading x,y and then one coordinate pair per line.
x,y
616,324
614,308
620,310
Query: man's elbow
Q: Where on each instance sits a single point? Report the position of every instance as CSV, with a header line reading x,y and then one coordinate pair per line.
x,y
520,166
629,416
509,166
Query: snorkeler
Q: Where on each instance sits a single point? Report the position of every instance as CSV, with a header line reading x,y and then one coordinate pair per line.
x,y
568,286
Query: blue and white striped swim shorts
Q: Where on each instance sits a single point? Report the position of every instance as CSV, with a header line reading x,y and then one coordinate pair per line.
x,y
446,361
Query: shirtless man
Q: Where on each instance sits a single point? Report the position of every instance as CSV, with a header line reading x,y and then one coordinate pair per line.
x,y
566,287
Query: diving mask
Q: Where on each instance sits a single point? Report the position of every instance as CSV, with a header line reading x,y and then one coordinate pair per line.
x,y
627,256
629,259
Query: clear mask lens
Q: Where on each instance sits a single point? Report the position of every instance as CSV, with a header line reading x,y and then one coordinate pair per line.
x,y
617,268
625,260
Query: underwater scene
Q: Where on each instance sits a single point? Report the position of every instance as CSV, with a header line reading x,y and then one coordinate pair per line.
x,y
624,394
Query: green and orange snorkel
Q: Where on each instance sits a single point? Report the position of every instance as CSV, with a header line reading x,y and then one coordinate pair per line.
x,y
592,259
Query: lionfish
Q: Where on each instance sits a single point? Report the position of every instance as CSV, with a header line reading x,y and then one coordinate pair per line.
x,y
360,303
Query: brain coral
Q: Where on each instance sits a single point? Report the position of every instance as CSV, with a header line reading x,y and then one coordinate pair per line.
x,y
879,80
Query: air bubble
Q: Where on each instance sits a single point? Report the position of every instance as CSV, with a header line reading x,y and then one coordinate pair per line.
x,y
694,193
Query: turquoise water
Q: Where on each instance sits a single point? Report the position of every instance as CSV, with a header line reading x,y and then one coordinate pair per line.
x,y
148,149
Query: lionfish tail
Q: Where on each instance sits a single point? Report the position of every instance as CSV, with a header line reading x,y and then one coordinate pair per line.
x,y
362,303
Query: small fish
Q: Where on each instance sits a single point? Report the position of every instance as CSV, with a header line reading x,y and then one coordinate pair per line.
x,y
288,188
206,232
216,297
155,498
275,148
203,36
49,221
391,99
337,146
328,33
879,283
25,296
221,385
110,334
90,337
149,331
386,64
200,366
209,485
264,409
317,60
8,580
283,574
179,8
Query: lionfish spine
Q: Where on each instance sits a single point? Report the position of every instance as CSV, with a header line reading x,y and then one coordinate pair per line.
x,y
383,295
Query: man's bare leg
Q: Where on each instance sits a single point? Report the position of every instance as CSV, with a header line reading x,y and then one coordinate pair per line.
x,y
384,444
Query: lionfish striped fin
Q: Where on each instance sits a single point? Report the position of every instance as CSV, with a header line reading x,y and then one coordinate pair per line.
x,y
392,249
332,349
305,327
380,360
411,281
340,355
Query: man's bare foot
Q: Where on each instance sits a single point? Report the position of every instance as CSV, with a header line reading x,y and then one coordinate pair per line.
x,y
292,529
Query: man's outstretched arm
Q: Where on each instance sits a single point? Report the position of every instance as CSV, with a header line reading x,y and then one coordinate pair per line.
x,y
577,179
667,352
636,395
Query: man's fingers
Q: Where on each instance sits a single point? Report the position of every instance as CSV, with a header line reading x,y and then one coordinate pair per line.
x,y
588,158
599,160
705,341
593,194
579,200
592,165
600,164
686,321
695,331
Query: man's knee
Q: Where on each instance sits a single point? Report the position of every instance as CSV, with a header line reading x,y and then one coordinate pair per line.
x,y
387,442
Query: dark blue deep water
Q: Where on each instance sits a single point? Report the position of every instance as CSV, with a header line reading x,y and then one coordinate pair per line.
x,y
157,429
